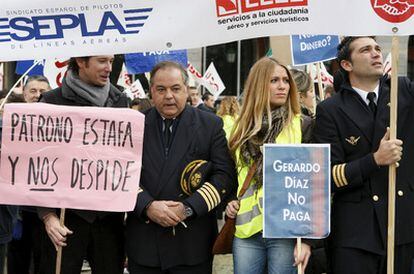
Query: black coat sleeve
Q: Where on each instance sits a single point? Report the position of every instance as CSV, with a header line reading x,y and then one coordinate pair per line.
x,y
222,180
345,174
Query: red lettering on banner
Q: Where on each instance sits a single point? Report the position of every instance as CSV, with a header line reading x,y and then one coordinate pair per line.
x,y
231,7
255,5
193,71
394,11
59,76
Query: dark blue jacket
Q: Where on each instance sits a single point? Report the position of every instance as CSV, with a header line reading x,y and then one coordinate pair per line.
x,y
360,187
7,214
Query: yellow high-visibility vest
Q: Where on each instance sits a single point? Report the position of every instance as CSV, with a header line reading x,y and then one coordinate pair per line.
x,y
249,219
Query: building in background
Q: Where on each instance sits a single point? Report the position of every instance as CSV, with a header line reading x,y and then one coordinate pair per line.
x,y
233,60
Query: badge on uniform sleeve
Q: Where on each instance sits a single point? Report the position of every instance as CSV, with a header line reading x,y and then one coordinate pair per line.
x,y
353,140
194,175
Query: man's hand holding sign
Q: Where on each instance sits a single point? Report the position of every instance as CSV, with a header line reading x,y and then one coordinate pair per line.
x,y
56,232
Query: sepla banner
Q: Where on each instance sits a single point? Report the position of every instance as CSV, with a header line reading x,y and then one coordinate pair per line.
x,y
49,28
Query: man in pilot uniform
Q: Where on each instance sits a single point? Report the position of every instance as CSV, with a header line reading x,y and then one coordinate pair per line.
x,y
172,228
354,121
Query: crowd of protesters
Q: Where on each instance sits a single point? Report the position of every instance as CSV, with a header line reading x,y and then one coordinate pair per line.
x,y
172,228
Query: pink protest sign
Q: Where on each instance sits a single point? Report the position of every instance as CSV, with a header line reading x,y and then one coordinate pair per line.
x,y
71,157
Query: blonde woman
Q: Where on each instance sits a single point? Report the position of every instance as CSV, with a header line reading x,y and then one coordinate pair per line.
x,y
228,111
270,114
304,86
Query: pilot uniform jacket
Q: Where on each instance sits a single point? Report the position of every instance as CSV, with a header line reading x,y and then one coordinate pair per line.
x,y
197,135
360,187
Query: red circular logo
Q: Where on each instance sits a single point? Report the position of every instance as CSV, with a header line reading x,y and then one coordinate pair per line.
x,y
394,11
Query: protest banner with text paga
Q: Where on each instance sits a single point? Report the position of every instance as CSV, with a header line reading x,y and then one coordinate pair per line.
x,y
296,183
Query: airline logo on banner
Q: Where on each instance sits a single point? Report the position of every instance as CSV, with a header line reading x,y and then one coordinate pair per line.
x,y
231,7
55,26
394,11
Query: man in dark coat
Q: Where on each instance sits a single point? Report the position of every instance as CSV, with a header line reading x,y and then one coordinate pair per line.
x,y
95,236
7,214
23,252
172,230
354,121
208,103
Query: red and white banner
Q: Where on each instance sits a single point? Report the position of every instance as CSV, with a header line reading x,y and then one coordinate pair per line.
x,y
135,90
54,70
194,74
388,64
123,79
49,28
210,80
326,78
213,82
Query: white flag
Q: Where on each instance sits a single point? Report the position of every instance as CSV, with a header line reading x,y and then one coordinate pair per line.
x,y
213,82
327,78
388,64
54,70
196,76
124,80
135,91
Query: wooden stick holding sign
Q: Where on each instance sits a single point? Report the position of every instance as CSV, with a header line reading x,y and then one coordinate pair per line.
x,y
392,168
309,67
59,251
299,245
320,87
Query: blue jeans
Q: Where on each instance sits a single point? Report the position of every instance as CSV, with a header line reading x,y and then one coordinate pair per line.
x,y
252,255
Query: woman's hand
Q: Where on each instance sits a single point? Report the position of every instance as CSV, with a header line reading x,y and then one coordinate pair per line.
x,y
304,255
232,208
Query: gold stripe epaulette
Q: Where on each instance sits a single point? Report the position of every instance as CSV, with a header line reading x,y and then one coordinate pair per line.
x,y
210,195
338,172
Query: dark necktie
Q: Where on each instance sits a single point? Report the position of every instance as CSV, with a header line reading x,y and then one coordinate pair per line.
x,y
371,98
167,133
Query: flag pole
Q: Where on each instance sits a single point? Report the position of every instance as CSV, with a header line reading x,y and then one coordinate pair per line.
x,y
320,87
392,168
299,245
310,67
59,251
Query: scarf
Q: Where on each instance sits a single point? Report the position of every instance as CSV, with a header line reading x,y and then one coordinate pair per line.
x,y
95,95
267,134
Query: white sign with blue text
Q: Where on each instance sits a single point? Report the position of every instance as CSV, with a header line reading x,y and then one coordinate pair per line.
x,y
71,28
296,184
307,49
